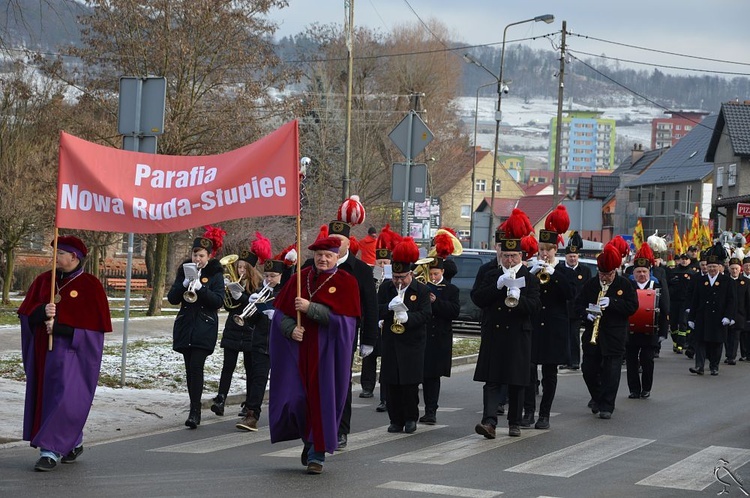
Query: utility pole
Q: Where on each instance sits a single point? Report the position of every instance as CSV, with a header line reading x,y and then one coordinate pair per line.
x,y
349,28
558,130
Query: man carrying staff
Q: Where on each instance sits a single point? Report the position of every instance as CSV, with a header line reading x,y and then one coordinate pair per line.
x,y
606,329
311,361
61,382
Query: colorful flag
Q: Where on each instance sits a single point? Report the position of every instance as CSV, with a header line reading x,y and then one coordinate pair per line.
x,y
106,189
677,242
638,237
695,228
706,240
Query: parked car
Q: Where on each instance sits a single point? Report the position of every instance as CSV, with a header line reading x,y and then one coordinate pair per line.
x,y
468,263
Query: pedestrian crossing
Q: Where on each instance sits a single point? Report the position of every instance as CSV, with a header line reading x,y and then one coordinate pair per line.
x,y
694,472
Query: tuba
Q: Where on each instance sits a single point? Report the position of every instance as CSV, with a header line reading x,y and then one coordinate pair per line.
x,y
230,275
422,270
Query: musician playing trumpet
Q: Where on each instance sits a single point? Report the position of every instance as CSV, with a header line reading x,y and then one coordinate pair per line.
x,y
404,308
196,327
602,361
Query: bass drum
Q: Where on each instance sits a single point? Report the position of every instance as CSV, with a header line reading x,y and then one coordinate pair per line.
x,y
644,320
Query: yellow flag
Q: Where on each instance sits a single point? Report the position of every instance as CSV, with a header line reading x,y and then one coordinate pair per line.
x,y
695,228
638,237
677,243
706,239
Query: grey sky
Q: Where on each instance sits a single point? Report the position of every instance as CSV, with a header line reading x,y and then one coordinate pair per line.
x,y
715,29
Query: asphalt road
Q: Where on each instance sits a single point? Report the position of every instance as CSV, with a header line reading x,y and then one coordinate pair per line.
x,y
664,446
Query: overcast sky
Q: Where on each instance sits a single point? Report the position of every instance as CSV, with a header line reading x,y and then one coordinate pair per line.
x,y
714,29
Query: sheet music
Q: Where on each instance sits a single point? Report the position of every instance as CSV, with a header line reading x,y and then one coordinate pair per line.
x,y
191,270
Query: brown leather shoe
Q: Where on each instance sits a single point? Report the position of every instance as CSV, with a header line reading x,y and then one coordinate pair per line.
x,y
249,423
485,430
314,468
514,431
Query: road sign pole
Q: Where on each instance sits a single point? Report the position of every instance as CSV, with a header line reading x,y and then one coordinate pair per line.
x,y
405,208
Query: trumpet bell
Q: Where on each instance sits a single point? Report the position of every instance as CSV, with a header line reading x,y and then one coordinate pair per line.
x,y
543,277
511,302
190,296
397,328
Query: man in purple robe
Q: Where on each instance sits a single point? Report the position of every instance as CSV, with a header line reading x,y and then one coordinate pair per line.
x,y
311,362
60,383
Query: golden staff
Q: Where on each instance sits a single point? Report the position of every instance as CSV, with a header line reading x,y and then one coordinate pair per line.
x,y
51,321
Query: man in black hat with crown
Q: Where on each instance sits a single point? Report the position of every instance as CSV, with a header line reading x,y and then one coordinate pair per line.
x,y
712,310
742,289
580,274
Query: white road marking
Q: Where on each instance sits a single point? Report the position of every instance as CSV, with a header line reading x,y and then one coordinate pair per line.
x,y
579,457
437,489
217,443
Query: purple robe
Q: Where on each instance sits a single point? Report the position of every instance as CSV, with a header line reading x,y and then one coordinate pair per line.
x,y
288,398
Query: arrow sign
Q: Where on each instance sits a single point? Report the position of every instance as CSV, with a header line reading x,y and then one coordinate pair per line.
x,y
420,135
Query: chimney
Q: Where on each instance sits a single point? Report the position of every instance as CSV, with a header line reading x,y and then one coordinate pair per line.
x,y
636,153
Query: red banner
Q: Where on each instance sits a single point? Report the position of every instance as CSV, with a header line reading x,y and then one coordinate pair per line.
x,y
113,190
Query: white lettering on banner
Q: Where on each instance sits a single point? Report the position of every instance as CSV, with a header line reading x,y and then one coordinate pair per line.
x,y
265,187
198,175
83,200
173,208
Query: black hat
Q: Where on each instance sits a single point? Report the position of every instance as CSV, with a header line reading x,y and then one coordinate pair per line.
x,y
499,235
641,263
703,256
371,231
274,265
735,261
692,248
746,259
339,228
437,263
575,244
716,255
547,237
249,257
382,253
203,243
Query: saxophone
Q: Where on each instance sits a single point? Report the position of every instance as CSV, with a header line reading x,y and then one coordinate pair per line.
x,y
595,328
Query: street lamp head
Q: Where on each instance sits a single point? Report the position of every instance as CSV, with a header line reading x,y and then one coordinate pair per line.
x,y
471,60
548,18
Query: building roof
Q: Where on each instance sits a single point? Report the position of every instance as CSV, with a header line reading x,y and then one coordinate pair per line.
x,y
535,189
503,206
537,207
628,167
685,161
734,119
597,186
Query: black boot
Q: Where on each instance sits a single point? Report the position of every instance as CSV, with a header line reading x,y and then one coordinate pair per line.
x,y
194,419
218,406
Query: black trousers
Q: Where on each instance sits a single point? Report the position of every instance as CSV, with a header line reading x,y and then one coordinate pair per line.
x,y
642,356
403,403
745,344
575,343
492,394
707,350
602,376
257,365
549,387
195,360
431,393
732,343
369,372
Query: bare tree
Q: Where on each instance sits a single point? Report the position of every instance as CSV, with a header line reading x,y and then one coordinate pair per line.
x,y
220,67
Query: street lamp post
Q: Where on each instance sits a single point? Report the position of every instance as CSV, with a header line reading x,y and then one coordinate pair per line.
x,y
474,167
501,88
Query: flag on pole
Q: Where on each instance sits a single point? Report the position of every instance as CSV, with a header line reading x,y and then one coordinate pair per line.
x,y
677,243
695,228
638,237
705,237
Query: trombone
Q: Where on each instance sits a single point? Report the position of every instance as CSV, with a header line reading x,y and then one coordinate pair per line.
x,y
265,295
230,275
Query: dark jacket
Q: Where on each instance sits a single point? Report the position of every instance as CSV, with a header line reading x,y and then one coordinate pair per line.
x,y
550,343
742,288
439,350
613,324
197,324
252,335
580,275
679,283
711,303
505,350
402,356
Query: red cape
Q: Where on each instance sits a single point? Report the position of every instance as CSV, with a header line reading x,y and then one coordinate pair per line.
x,y
340,294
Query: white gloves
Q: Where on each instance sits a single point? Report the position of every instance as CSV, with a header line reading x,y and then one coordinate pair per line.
x,y
725,321
291,256
186,282
235,288
397,304
501,280
514,293
227,281
550,269
604,302
380,324
253,297
365,350
536,268
732,322
197,285
590,317
269,313
401,316
691,325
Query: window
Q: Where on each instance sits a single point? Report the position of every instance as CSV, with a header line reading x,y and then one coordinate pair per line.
x,y
465,211
663,202
689,197
732,175
497,185
464,234
677,201
480,185
719,176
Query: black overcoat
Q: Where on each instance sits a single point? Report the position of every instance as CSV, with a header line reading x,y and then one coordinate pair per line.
x,y
505,350
439,350
613,325
709,304
197,324
402,355
550,340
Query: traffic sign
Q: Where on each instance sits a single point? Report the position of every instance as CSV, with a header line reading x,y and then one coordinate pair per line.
x,y
421,136
141,106
417,182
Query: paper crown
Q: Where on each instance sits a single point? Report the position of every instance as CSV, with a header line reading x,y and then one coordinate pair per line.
x,y
351,211
405,254
555,225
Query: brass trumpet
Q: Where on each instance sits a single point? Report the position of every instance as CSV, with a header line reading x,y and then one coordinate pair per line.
x,y
398,327
190,295
265,295
230,274
543,276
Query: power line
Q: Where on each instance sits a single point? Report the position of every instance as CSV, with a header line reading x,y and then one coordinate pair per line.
x,y
664,66
424,24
